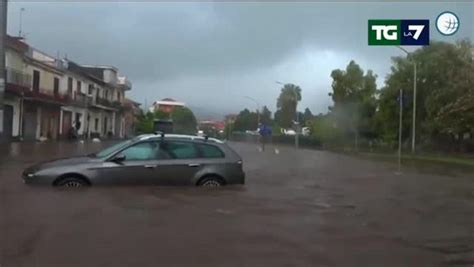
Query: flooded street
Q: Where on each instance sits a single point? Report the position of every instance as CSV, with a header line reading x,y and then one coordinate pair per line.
x,y
298,208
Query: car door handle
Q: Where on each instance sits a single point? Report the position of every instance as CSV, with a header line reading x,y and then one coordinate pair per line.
x,y
151,166
194,165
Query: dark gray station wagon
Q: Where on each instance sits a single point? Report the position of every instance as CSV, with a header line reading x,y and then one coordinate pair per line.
x,y
146,160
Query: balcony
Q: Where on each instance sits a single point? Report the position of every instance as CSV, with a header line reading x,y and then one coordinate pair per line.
x,y
40,96
18,78
124,82
83,100
117,104
19,83
107,103
103,102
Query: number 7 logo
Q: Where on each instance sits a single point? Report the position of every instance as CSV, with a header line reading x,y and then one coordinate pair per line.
x,y
415,32
418,30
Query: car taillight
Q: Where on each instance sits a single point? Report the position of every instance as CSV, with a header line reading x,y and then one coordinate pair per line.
x,y
239,162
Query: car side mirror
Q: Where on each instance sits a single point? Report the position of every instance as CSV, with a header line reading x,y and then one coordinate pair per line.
x,y
119,158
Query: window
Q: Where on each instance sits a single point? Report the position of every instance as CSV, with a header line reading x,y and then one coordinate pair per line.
x,y
96,124
69,86
90,89
118,96
141,151
56,86
106,94
108,151
210,151
180,150
36,80
79,85
78,121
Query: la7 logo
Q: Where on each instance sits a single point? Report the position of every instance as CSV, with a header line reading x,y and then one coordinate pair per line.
x,y
417,28
415,32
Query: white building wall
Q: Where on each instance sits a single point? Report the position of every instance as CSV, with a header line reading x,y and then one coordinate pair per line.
x,y
110,76
74,111
15,103
38,123
93,116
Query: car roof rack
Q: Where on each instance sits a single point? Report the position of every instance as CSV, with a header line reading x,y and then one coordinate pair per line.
x,y
162,134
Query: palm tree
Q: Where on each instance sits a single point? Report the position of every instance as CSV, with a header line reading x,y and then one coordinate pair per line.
x,y
290,94
287,102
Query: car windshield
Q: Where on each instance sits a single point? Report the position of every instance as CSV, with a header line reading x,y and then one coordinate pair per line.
x,y
108,151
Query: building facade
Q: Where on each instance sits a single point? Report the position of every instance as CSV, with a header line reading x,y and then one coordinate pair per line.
x,y
48,98
166,105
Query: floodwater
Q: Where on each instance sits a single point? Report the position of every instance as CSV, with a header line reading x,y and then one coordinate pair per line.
x,y
298,208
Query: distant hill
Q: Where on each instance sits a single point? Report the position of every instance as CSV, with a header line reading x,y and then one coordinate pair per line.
x,y
205,113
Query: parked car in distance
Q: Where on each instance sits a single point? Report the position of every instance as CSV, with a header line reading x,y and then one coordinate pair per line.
x,y
306,131
288,132
152,159
252,132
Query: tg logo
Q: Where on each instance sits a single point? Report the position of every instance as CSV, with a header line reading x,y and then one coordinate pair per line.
x,y
399,32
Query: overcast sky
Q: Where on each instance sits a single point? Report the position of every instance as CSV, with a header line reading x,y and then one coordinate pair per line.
x,y
211,55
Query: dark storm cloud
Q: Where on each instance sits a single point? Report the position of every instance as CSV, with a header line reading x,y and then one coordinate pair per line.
x,y
195,50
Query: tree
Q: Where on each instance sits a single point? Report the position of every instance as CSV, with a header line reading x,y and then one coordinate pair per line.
x,y
445,85
161,115
246,120
145,123
266,116
354,100
307,116
324,129
286,105
184,121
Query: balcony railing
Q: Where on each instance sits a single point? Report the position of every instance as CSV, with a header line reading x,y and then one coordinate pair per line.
x,y
18,77
124,82
117,104
105,102
83,100
42,96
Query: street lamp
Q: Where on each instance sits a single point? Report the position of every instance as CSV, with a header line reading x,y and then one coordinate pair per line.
x,y
409,55
297,122
20,33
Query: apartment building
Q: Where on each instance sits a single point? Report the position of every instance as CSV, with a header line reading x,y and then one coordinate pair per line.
x,y
49,98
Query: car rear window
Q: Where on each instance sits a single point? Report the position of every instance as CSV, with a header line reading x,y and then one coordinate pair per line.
x,y
210,151
181,150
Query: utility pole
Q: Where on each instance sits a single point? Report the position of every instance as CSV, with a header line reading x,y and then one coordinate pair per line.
x,y
400,100
413,128
3,32
413,134
297,122
20,32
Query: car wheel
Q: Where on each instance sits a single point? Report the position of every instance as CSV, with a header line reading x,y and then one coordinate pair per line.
x,y
72,182
211,182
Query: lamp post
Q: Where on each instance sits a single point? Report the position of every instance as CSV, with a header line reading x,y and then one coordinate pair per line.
x,y
20,32
400,100
297,122
413,134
